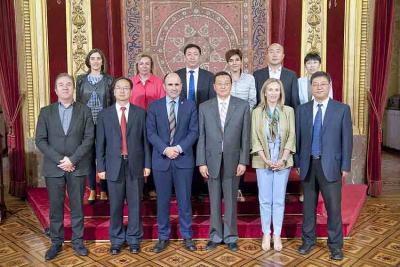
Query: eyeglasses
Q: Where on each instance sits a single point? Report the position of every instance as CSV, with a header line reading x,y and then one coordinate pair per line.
x,y
319,84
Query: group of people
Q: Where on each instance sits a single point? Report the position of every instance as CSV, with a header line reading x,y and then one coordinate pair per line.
x,y
165,128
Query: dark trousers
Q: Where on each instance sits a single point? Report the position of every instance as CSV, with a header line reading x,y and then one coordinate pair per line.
x,y
129,188
226,231
181,179
92,174
332,194
56,190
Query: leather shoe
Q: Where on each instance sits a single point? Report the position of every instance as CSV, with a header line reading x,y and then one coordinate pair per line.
x,y
232,246
80,249
336,254
189,244
211,245
134,248
52,252
305,248
115,250
160,246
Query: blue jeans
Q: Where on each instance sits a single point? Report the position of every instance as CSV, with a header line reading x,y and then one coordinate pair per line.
x,y
271,195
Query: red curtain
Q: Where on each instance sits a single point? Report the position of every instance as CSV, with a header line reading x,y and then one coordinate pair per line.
x,y
381,53
10,98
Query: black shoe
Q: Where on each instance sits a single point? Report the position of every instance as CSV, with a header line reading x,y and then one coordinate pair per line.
x,y
211,245
232,246
80,249
305,248
52,252
189,244
161,245
134,248
115,250
336,254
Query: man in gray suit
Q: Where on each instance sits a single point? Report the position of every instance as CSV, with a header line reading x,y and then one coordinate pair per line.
x,y
65,136
222,156
324,139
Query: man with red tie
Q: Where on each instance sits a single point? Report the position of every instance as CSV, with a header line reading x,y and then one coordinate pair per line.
x,y
123,159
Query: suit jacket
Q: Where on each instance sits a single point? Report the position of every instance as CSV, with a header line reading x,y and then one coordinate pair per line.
x,y
337,139
258,137
55,144
205,85
109,142
186,133
236,137
289,81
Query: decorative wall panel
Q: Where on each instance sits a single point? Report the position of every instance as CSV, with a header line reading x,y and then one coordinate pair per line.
x,y
163,28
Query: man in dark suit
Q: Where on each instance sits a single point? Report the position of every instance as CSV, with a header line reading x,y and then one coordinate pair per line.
x,y
172,129
197,85
275,69
65,136
324,146
123,158
222,156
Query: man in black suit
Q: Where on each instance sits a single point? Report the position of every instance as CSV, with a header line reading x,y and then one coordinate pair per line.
x,y
198,86
324,145
197,83
123,158
275,69
65,136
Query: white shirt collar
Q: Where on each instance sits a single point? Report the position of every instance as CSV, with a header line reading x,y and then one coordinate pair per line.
x,y
278,70
224,100
196,70
324,103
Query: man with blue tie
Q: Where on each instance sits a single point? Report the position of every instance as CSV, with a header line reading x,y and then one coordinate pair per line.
x,y
198,86
172,129
324,147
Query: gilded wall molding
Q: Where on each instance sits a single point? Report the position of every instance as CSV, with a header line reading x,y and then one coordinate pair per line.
x,y
79,34
356,69
33,74
313,30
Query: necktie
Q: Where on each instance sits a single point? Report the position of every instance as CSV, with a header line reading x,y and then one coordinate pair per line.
x,y
172,122
124,149
309,90
316,137
192,95
222,115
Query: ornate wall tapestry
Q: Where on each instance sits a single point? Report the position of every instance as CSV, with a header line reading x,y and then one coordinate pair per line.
x,y
162,28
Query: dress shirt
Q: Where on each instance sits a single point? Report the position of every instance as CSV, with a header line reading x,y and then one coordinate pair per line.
x,y
245,88
275,74
323,109
196,78
144,94
168,105
119,112
219,109
65,115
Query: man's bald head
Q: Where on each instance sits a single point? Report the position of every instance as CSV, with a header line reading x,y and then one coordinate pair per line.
x,y
275,54
172,85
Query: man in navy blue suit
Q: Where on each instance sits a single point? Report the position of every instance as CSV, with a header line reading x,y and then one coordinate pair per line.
x,y
123,158
172,129
324,142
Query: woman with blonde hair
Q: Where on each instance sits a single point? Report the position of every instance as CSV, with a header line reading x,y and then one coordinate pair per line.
x,y
146,86
273,146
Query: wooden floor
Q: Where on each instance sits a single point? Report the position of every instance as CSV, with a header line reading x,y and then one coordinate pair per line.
x,y
375,241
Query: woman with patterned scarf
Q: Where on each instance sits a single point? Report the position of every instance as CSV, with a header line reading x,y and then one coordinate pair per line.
x,y
94,89
273,146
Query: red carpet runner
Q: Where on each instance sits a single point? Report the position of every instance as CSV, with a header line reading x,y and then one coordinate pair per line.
x,y
249,225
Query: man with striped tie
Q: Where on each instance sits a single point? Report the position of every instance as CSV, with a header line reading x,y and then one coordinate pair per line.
x,y
172,129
